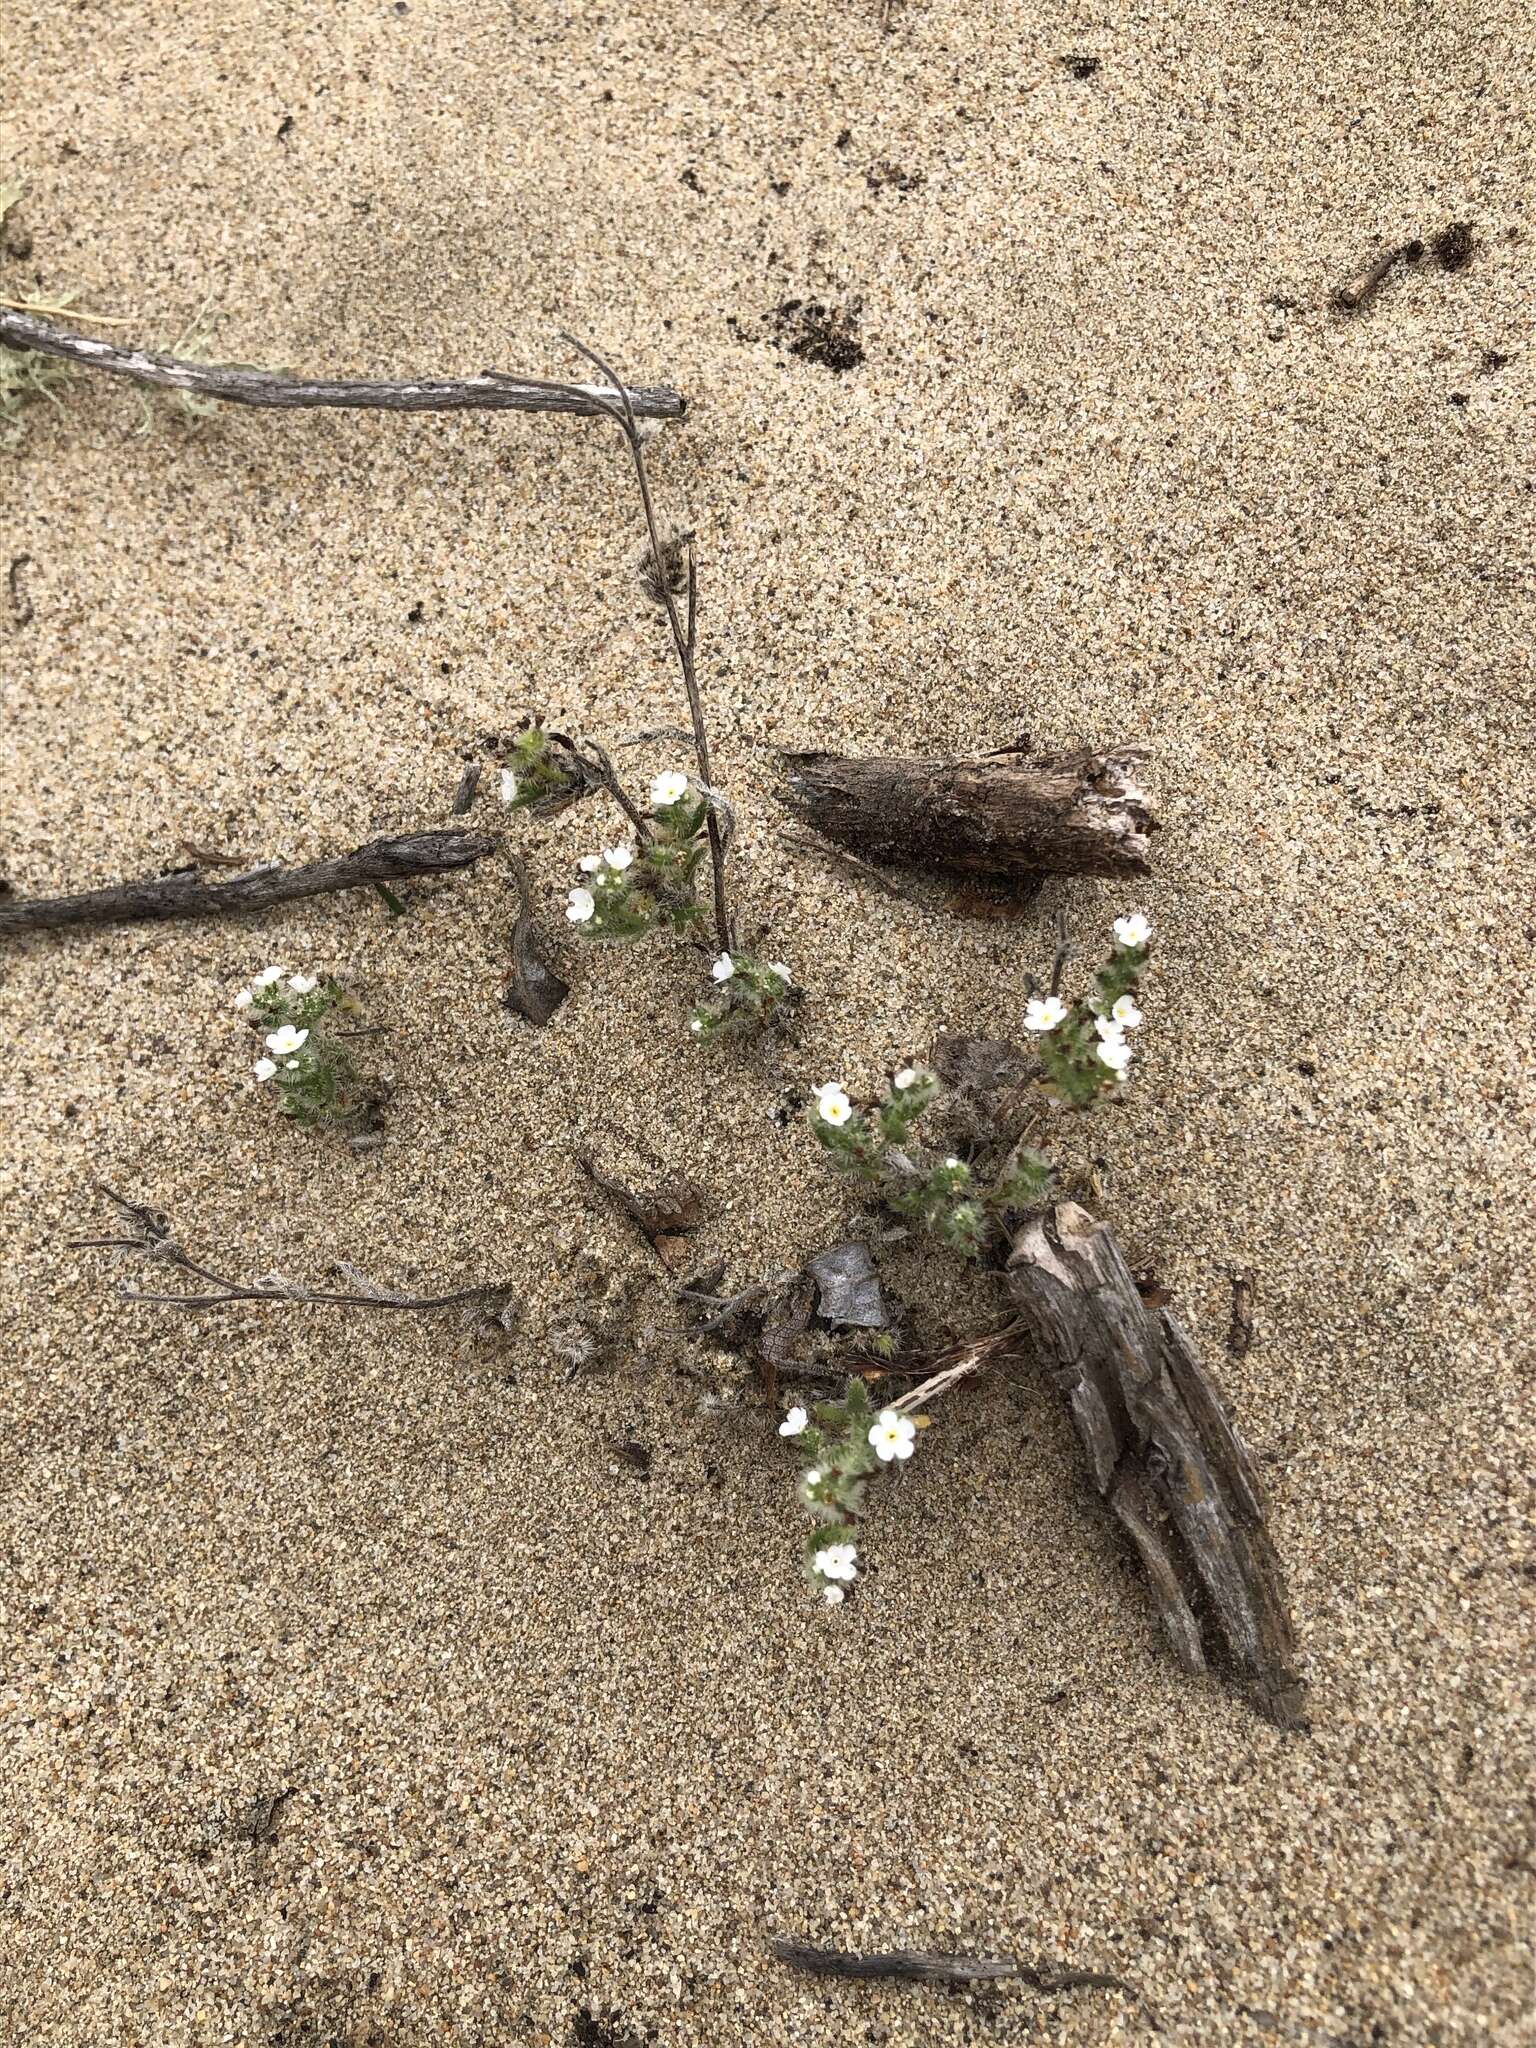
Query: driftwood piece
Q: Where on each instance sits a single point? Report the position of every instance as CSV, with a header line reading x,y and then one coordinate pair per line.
x,y
240,384
1163,1452
989,814
186,894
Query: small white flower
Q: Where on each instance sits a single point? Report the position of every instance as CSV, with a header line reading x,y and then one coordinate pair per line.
x,y
1110,1029
264,1069
1044,1013
580,905
906,1077
618,857
243,1000
266,977
832,1104
794,1422
302,984
1126,1014
837,1561
508,786
1133,931
285,1039
833,1595
893,1435
723,967
951,1163
695,1025
1115,1054
813,1477
777,967
670,787
292,1066
590,863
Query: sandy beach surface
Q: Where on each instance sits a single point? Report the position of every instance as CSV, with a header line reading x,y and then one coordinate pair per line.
x,y
357,1688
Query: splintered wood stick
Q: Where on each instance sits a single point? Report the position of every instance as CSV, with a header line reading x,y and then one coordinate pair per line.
x,y
186,894
240,384
993,814
1164,1454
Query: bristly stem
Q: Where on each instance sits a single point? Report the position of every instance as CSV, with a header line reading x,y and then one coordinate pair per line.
x,y
684,633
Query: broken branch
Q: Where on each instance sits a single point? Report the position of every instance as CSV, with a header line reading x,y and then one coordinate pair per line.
x,y
239,384
186,894
920,1966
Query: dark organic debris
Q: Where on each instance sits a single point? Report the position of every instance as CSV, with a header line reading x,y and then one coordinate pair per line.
x,y
848,1289
21,603
636,1456
817,333
883,177
1454,246
1367,278
919,1966
533,988
1082,67
664,1213
469,785
1240,1329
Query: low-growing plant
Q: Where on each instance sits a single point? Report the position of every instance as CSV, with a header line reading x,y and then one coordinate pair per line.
x,y
304,1059
845,1442
1084,1054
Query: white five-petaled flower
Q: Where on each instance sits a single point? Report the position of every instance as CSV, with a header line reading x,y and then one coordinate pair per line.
x,y
1110,1029
777,967
618,857
813,1477
794,1422
906,1077
1044,1013
243,1000
580,905
590,863
722,967
508,786
837,1561
832,1104
833,1595
303,984
1115,1054
893,1435
952,1163
1133,931
1125,1013
292,1066
266,977
264,1069
670,787
285,1039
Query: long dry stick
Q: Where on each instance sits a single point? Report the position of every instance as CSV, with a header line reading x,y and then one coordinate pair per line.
x,y
186,894
238,384
920,1966
684,630
152,1238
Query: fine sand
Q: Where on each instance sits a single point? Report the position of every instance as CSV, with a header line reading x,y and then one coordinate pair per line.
x,y
559,1747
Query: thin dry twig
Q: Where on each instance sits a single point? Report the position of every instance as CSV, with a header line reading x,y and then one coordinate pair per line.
x,y
921,1966
684,627
239,384
186,894
152,1237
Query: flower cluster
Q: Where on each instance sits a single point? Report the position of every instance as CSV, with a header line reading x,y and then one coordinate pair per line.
x,y
631,887
945,1195
535,772
303,1059
845,1443
1083,1047
748,994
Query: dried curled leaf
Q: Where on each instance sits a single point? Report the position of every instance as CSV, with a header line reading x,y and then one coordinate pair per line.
x,y
533,988
664,1213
